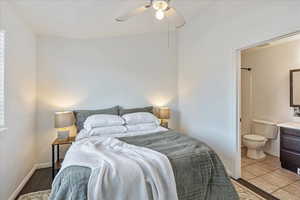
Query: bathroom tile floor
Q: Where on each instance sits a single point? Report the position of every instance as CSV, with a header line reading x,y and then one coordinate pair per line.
x,y
268,175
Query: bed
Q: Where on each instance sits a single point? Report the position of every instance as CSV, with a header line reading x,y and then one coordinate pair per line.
x,y
198,171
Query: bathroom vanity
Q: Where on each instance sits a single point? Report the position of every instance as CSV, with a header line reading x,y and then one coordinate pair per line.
x,y
290,132
290,146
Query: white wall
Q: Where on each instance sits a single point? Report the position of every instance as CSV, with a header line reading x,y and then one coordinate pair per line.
x,y
17,143
129,71
271,84
208,65
246,101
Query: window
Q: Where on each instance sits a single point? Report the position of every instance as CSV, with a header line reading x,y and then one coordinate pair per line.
x,y
2,63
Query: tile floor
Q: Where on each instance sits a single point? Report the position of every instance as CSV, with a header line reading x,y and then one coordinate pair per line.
x,y
268,175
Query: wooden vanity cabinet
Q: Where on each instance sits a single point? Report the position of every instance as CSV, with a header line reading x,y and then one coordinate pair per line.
x,y
290,148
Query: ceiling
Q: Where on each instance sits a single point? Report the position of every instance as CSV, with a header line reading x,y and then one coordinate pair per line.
x,y
95,18
283,40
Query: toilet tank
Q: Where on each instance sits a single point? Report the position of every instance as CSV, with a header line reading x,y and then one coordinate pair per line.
x,y
265,128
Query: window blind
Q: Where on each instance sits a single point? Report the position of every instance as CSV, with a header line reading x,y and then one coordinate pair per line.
x,y
2,63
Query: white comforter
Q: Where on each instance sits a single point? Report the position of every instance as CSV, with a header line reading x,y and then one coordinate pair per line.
x,y
121,171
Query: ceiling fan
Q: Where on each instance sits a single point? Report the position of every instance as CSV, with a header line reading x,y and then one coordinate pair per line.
x,y
162,8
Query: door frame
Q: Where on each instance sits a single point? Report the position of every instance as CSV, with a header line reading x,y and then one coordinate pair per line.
x,y
237,74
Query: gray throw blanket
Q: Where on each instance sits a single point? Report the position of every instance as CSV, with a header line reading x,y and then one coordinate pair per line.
x,y
198,171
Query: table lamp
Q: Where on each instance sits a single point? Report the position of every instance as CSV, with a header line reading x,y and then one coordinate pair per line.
x,y
63,122
164,115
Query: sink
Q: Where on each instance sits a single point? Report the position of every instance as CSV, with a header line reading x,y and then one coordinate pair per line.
x,y
292,125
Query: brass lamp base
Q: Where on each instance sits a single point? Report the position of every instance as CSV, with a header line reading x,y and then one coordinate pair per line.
x,y
164,123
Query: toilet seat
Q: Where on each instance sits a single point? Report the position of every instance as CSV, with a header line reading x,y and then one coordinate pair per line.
x,y
255,145
256,138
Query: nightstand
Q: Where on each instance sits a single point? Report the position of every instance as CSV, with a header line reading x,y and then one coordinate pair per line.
x,y
56,161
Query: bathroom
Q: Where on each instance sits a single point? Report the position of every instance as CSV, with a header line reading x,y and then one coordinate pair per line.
x,y
268,108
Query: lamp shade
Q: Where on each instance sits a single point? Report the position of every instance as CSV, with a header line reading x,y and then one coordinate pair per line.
x,y
164,113
64,119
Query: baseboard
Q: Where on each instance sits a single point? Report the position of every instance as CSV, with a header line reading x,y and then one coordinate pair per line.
x,y
43,165
27,177
22,184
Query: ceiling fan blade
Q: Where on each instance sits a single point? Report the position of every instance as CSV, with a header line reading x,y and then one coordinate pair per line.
x,y
176,17
133,13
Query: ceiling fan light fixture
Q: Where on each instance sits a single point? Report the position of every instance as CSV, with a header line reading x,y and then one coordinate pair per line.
x,y
162,10
160,5
160,15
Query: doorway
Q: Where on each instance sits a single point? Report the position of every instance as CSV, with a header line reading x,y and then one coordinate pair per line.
x,y
258,70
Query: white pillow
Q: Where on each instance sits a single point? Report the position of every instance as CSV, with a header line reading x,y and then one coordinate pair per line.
x,y
106,131
102,120
141,127
140,118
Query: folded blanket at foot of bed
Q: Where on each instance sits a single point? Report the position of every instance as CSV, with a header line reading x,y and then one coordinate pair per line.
x,y
122,171
198,171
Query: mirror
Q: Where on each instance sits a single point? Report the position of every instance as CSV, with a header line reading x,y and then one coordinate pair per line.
x,y
295,88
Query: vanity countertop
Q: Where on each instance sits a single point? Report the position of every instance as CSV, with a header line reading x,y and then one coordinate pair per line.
x,y
292,125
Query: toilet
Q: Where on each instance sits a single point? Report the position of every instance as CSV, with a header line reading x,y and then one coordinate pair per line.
x,y
262,131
